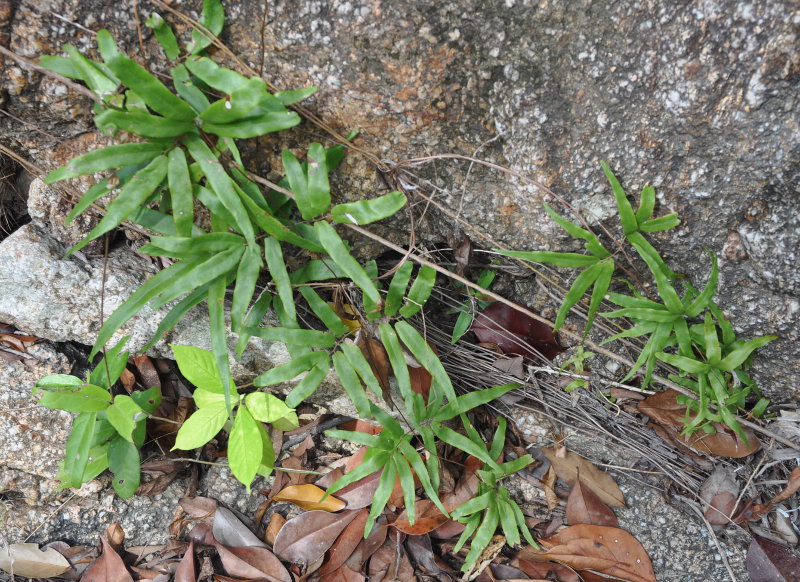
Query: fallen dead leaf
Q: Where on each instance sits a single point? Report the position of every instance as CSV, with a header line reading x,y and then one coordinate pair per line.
x,y
109,567
367,547
305,539
664,409
608,550
719,491
515,332
375,354
310,497
546,570
345,544
186,571
428,518
769,561
584,506
28,561
253,563
792,485
276,521
390,562
599,482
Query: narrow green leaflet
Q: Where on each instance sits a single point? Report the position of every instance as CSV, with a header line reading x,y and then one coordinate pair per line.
x,y
324,311
309,186
397,288
275,228
626,214
291,97
589,276
301,337
219,337
61,65
397,359
280,276
425,356
246,278
142,123
368,211
292,369
135,192
221,183
180,191
307,385
335,247
213,18
557,259
97,81
105,159
254,317
351,383
124,461
244,452
740,353
647,202
201,427
186,88
164,35
180,246
360,364
154,93
216,77
420,291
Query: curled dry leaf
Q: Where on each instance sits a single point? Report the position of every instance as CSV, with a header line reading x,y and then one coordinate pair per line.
x,y
28,561
428,518
719,491
664,409
310,497
601,483
276,521
608,550
584,506
792,485
305,538
515,333
769,561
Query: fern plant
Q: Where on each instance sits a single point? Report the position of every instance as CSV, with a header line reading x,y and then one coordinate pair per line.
x,y
714,370
176,173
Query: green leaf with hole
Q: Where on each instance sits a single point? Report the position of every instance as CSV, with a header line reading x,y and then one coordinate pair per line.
x,y
106,159
368,211
72,398
124,463
76,454
247,100
335,247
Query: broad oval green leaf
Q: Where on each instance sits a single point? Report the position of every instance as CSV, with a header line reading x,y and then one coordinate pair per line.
x,y
198,367
124,415
266,407
124,462
245,444
73,398
201,427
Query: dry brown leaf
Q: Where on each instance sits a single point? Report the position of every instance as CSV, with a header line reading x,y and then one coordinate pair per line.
x,y
254,563
584,506
375,354
390,563
310,497
360,493
345,544
664,409
421,381
147,371
186,571
428,518
358,425
305,538
109,567
28,561
230,531
515,332
769,561
128,380
276,521
719,491
792,485
343,574
601,483
367,547
546,570
608,550
549,487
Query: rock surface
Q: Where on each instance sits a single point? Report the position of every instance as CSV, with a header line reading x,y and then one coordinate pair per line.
x,y
699,99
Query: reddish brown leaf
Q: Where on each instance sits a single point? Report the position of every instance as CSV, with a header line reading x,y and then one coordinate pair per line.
x,y
546,570
375,354
449,530
367,547
428,518
276,522
792,485
346,543
601,483
608,550
584,506
186,571
768,561
549,486
305,538
462,251
309,497
515,333
466,487
358,425
360,493
230,531
421,551
128,380
420,381
343,574
664,409
147,371
109,567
